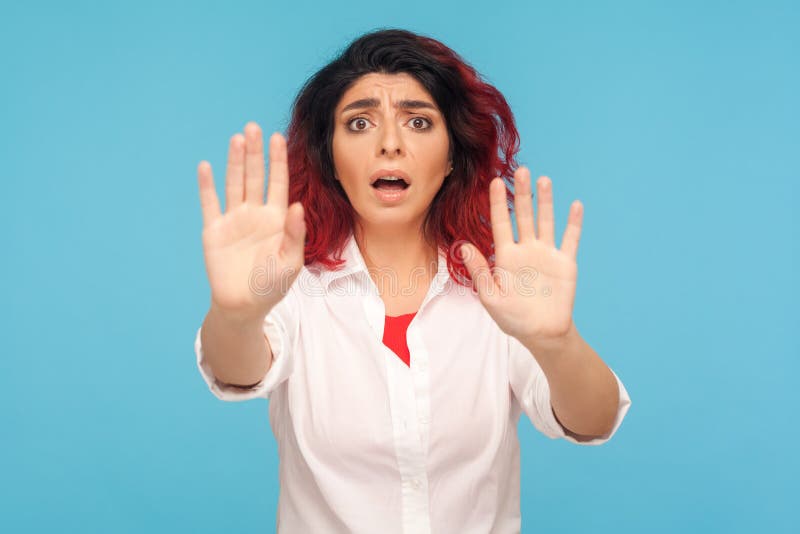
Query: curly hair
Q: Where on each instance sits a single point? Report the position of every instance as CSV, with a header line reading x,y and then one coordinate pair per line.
x,y
480,125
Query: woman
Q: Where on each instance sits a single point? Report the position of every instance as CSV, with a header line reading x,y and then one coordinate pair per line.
x,y
395,390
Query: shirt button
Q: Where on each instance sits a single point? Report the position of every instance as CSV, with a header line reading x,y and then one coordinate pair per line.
x,y
416,484
422,366
424,420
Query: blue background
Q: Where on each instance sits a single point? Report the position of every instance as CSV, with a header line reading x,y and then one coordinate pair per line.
x,y
675,123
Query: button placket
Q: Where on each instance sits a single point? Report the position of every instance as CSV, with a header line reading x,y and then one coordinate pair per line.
x,y
419,366
409,397
411,460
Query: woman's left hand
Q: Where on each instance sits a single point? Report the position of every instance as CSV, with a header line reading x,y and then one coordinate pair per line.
x,y
530,293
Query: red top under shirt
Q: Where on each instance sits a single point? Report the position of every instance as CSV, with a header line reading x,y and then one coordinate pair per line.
x,y
394,335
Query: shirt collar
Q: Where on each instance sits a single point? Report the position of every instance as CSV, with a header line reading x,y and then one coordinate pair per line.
x,y
354,265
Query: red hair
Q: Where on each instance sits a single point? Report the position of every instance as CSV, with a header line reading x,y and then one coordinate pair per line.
x,y
483,142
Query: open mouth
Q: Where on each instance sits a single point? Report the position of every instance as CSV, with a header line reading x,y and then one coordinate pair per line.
x,y
390,183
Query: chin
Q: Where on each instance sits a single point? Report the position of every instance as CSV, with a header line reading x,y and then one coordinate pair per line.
x,y
395,217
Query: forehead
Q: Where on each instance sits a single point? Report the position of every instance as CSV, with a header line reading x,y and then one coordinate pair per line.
x,y
400,86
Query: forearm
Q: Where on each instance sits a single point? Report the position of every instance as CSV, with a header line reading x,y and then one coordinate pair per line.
x,y
236,350
583,391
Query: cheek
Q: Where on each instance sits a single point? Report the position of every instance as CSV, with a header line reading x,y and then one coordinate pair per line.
x,y
345,164
434,150
347,155
337,152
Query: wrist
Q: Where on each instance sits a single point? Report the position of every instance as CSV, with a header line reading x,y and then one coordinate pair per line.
x,y
235,318
552,346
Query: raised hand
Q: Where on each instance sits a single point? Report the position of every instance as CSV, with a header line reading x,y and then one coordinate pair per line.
x,y
531,291
254,251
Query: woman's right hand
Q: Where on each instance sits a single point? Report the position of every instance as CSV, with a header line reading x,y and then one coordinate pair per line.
x,y
254,251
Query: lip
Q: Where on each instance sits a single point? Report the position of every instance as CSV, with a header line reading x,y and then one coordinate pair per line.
x,y
380,173
390,197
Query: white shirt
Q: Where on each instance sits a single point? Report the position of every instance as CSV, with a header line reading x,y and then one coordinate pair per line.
x,y
370,445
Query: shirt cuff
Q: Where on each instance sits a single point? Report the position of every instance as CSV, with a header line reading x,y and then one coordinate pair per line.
x,y
554,430
279,371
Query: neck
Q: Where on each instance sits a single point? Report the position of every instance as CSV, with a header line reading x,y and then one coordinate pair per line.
x,y
399,251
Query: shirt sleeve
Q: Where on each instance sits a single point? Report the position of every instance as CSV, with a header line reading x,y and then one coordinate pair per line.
x,y
280,328
532,391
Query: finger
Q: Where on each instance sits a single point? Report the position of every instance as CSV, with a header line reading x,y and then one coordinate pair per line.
x,y
572,234
278,186
234,174
545,209
523,205
501,220
479,271
294,235
253,164
209,203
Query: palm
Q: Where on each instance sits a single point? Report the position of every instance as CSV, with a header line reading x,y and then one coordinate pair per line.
x,y
235,247
542,288
531,292
254,251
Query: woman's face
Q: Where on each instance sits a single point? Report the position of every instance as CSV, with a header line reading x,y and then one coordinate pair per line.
x,y
389,124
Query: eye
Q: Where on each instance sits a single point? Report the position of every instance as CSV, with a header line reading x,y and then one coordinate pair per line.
x,y
420,123
357,124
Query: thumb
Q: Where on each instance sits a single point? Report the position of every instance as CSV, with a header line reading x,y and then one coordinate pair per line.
x,y
479,271
294,233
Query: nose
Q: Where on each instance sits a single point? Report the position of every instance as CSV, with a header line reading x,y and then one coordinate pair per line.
x,y
390,142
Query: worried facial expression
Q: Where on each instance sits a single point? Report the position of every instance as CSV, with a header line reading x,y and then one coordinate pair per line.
x,y
390,149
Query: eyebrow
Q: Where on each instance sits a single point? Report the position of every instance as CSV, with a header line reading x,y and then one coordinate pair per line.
x,y
368,103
